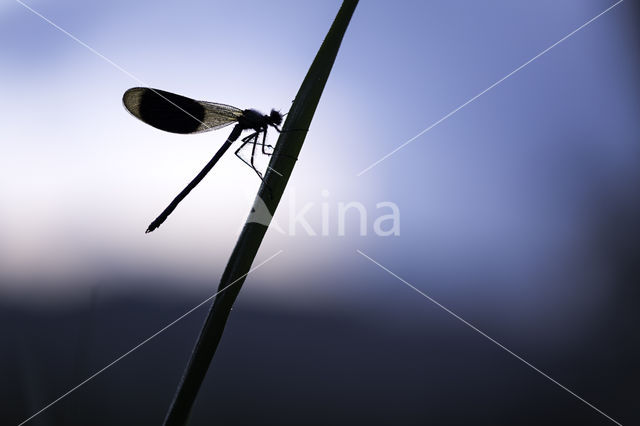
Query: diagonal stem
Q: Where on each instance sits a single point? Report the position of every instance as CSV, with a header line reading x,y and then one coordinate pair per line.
x,y
270,193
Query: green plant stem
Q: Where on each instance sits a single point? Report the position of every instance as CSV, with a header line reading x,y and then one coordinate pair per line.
x,y
277,175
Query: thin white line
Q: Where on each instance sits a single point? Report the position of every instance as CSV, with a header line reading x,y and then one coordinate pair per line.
x,y
80,42
118,67
467,323
275,171
487,89
145,341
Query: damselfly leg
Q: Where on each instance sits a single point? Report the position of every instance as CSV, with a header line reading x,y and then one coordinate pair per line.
x,y
265,144
252,139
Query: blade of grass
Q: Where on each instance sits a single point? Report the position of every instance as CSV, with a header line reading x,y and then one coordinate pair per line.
x,y
276,178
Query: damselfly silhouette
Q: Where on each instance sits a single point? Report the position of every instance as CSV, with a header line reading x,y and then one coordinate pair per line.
x,y
179,114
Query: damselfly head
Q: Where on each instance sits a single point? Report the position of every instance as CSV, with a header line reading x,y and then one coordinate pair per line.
x,y
275,117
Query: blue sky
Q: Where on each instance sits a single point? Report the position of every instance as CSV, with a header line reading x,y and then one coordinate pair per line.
x,y
506,185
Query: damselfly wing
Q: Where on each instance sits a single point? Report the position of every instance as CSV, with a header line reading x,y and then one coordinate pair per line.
x,y
176,113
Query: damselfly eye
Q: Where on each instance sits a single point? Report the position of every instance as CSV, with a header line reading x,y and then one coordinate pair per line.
x,y
276,117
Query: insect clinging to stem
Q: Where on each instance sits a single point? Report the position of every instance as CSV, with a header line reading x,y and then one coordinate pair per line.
x,y
179,114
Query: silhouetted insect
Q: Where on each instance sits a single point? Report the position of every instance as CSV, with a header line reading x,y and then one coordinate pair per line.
x,y
179,114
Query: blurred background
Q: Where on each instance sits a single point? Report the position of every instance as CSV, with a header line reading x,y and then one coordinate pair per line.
x,y
519,213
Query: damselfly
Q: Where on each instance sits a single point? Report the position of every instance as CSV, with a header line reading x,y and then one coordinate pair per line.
x,y
179,114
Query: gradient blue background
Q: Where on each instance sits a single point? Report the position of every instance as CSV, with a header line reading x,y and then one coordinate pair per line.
x,y
519,213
